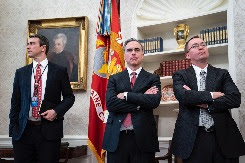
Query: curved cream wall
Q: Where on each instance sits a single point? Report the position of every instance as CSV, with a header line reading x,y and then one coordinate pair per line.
x,y
239,51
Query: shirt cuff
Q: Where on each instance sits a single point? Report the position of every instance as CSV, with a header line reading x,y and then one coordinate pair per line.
x,y
125,95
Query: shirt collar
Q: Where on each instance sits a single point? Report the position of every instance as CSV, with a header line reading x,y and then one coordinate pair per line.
x,y
137,71
43,63
198,69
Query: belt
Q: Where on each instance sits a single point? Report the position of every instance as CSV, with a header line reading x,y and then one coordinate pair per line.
x,y
34,123
128,132
211,129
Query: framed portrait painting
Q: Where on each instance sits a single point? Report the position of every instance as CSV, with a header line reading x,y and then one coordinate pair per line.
x,y
68,45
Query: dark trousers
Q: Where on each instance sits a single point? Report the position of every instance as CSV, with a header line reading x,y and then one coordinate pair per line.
x,y
128,151
206,150
33,148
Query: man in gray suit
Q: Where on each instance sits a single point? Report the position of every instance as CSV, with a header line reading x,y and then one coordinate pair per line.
x,y
205,131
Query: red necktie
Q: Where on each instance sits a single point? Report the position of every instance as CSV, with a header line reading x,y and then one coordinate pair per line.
x,y
128,121
37,91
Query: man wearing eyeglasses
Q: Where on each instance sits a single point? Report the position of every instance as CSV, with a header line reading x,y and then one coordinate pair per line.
x,y
205,131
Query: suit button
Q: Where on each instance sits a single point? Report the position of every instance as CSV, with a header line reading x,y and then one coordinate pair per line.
x,y
138,107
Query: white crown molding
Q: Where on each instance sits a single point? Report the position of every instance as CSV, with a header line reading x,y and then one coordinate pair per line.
x,y
155,11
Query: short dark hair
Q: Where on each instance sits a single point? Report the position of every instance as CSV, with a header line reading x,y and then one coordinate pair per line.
x,y
42,41
130,40
186,44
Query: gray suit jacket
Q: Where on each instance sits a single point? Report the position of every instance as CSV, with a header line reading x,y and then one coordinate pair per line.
x,y
228,136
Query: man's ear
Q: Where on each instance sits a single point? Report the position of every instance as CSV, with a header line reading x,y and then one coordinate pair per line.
x,y
187,56
44,48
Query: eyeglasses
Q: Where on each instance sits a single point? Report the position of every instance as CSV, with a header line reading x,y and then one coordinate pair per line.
x,y
196,45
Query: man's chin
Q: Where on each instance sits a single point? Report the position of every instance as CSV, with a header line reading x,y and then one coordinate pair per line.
x,y
134,64
30,56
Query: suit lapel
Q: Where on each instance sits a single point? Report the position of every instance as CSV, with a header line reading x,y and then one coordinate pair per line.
x,y
28,79
191,75
140,79
126,80
50,75
210,79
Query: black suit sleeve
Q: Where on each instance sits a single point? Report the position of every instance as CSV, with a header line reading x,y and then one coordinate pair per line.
x,y
67,93
134,99
189,97
15,104
115,104
147,101
232,97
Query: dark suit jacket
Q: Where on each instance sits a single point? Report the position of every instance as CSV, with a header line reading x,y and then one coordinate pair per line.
x,y
57,83
142,118
228,136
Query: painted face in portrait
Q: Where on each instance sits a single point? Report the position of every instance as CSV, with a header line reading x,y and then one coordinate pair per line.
x,y
58,45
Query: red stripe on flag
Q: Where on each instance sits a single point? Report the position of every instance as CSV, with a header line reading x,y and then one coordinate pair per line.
x,y
110,65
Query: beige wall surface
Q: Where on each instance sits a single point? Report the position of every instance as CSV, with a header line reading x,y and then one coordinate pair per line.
x,y
239,48
14,15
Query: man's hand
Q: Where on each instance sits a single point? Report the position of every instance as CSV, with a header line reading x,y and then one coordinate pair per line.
x,y
120,96
204,106
50,115
217,95
186,87
152,90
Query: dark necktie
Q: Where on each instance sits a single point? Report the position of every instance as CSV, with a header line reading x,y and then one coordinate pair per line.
x,y
205,118
127,121
37,91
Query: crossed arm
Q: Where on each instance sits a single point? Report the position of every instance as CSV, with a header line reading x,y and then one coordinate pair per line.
x,y
226,96
151,91
135,101
215,95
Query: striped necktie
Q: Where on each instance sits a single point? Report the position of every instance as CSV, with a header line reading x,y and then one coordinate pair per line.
x,y
205,118
128,121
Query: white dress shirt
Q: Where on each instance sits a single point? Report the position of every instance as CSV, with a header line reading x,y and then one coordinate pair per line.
x,y
44,72
197,71
131,127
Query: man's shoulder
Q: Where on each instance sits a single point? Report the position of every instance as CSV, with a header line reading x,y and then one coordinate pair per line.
x,y
24,67
119,73
126,71
56,65
217,69
147,73
183,71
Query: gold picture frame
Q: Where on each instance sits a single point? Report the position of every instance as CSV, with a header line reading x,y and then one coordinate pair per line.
x,y
74,33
